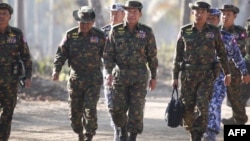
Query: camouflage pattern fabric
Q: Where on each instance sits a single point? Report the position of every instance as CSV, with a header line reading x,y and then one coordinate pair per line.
x,y
219,93
197,48
130,53
12,43
84,57
246,87
233,91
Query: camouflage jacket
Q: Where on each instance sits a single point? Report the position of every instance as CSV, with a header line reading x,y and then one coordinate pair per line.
x,y
83,54
240,35
233,52
199,48
13,46
131,50
247,57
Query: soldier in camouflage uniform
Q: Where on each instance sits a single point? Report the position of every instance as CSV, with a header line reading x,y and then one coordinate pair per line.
x,y
195,59
82,47
13,48
229,14
131,46
219,93
246,87
116,16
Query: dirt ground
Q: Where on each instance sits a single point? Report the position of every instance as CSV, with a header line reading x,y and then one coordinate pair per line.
x,y
47,120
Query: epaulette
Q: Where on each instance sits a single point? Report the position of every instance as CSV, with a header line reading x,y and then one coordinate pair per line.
x,y
98,30
118,25
240,27
106,27
187,26
16,30
73,29
145,27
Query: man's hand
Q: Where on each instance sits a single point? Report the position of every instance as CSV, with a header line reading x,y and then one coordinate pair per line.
x,y
245,79
27,83
175,83
152,84
109,79
227,79
55,76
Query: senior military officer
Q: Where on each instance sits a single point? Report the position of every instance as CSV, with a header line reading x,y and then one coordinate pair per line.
x,y
130,47
83,47
116,16
13,48
195,59
239,116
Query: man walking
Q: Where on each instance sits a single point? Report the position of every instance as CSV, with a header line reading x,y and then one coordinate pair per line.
x,y
131,46
195,59
82,47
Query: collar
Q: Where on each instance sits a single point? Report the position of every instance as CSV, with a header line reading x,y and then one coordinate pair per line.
x,y
204,27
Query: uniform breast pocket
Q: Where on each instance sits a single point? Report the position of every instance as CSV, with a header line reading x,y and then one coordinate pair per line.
x,y
120,45
75,49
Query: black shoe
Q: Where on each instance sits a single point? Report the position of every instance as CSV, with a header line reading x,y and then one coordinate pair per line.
x,y
88,137
196,136
132,136
124,134
229,121
80,137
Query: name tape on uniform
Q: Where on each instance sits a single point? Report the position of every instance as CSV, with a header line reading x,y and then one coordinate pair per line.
x,y
241,132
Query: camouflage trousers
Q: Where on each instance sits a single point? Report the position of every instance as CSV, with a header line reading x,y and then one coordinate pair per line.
x,y
128,97
196,92
235,98
8,99
245,88
83,98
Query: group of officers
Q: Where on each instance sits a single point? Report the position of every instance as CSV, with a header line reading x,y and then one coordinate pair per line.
x,y
213,61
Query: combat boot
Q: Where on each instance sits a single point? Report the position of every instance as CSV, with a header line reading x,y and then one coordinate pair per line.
x,y
196,136
88,137
80,137
132,137
124,134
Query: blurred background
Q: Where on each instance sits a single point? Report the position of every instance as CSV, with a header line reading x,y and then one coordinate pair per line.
x,y
45,21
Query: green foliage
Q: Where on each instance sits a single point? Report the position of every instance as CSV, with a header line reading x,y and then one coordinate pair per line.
x,y
44,68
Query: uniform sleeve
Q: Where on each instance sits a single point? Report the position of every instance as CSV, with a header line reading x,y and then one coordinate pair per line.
x,y
178,56
222,54
242,42
237,57
109,53
151,52
61,54
26,57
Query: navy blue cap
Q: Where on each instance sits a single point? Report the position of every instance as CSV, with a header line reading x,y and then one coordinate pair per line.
x,y
215,11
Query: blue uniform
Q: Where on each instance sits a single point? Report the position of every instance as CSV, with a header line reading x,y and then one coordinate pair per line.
x,y
233,53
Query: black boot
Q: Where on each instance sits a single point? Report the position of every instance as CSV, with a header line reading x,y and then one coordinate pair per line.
x,y
80,137
124,134
196,136
132,137
88,137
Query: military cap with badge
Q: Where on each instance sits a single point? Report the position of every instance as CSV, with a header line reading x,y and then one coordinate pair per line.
x,y
85,14
199,5
133,4
6,6
117,7
229,7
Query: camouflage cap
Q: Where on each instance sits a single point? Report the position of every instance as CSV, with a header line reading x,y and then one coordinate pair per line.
x,y
85,14
6,6
116,7
229,7
133,4
199,5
